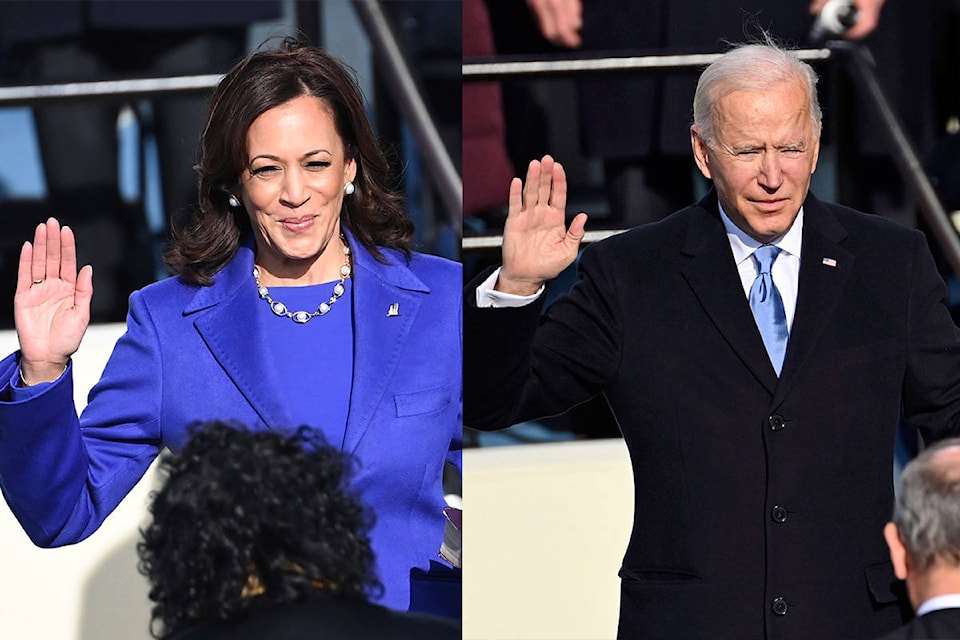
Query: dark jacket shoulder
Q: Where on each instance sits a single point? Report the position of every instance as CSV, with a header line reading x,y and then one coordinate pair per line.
x,y
329,618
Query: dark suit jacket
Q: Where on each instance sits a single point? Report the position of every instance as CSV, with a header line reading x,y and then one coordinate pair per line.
x,y
328,619
943,624
759,502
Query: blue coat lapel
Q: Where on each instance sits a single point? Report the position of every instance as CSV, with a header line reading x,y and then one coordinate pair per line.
x,y
228,322
378,334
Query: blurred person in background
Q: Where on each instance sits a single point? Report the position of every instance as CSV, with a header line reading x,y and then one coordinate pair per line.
x,y
924,541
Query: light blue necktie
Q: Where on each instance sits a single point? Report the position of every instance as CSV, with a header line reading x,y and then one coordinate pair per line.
x,y
767,306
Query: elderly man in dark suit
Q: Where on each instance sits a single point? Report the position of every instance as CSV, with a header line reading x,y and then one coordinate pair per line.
x,y
924,541
759,403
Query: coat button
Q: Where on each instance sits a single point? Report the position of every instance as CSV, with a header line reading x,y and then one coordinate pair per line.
x,y
776,422
778,513
779,607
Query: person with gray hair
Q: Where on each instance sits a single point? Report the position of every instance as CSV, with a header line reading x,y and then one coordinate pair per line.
x,y
758,350
924,541
751,68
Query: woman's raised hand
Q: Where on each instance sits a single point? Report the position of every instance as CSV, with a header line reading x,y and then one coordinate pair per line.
x,y
537,245
51,307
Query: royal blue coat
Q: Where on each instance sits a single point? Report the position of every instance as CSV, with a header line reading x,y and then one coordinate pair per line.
x,y
194,353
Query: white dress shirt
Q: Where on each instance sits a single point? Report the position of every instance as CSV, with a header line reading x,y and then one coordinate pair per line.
x,y
786,268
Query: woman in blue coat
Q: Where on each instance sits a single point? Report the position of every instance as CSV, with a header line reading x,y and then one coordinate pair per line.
x,y
296,301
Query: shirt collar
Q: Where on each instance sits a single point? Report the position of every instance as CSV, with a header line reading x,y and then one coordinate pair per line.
x,y
948,601
743,245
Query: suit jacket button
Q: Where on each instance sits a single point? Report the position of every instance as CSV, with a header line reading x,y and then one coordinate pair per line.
x,y
779,514
776,422
779,607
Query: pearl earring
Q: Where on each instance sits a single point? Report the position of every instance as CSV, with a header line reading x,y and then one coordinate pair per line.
x,y
349,188
233,202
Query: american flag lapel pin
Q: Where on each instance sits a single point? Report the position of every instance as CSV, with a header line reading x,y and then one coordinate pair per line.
x,y
830,262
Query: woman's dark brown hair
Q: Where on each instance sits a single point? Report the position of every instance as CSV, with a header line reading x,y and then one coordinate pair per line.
x,y
204,242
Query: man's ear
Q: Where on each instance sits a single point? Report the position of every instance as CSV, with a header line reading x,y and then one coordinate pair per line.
x,y
700,152
816,156
898,552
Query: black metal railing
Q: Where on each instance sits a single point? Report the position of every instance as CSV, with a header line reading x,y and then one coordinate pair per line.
x,y
403,89
400,81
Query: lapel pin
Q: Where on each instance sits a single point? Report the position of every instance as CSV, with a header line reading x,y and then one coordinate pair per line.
x,y
830,262
394,310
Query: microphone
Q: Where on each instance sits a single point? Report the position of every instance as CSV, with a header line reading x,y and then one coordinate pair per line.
x,y
833,21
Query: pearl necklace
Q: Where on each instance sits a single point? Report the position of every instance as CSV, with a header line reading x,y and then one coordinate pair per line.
x,y
302,317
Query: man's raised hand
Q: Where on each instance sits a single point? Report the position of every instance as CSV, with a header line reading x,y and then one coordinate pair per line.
x,y
537,245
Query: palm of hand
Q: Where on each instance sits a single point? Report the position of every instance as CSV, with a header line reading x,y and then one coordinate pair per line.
x,y
537,245
51,307
49,323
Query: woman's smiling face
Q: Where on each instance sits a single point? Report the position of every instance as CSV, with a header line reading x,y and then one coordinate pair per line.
x,y
293,188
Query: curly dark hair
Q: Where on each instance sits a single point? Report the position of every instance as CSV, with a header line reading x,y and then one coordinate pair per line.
x,y
247,520
206,239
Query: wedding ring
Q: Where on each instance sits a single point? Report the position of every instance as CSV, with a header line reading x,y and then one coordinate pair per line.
x,y
38,282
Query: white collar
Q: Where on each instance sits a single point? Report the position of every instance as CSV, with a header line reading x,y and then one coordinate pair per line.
x,y
947,601
743,245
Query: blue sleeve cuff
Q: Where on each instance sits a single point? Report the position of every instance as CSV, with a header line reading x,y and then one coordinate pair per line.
x,y
22,394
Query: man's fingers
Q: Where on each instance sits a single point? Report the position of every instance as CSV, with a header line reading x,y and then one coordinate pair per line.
x,y
546,180
531,185
515,199
545,185
577,226
558,193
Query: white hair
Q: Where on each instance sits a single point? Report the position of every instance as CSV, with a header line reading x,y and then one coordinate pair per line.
x,y
927,510
751,67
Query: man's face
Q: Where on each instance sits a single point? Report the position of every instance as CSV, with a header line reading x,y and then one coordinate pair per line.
x,y
763,157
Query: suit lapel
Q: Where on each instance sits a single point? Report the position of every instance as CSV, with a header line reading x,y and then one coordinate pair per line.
x,y
228,322
711,273
379,333
825,267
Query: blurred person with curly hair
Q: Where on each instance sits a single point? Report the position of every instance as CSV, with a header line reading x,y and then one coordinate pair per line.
x,y
297,300
257,534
